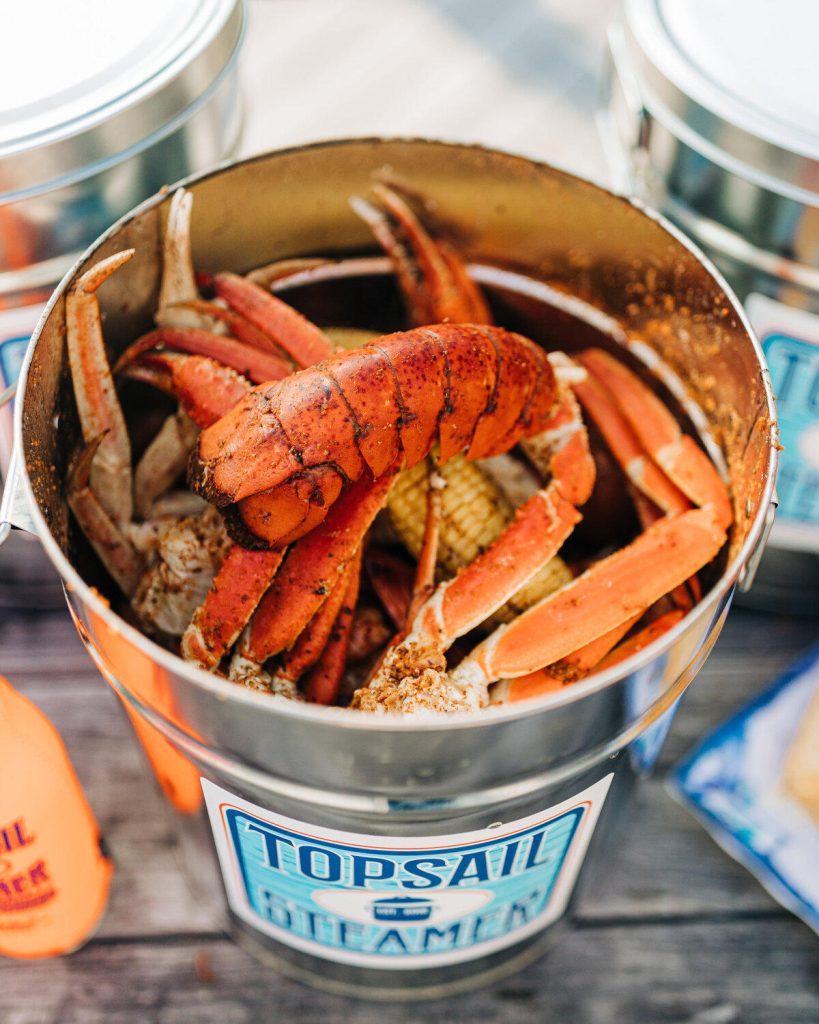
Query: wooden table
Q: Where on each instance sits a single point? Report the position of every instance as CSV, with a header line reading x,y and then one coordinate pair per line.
x,y
673,931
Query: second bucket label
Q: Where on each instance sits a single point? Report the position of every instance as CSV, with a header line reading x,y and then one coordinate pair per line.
x,y
400,902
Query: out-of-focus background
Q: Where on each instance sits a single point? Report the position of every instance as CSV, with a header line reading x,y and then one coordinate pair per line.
x,y
521,75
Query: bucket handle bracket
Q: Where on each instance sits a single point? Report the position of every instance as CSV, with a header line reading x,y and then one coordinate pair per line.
x,y
14,511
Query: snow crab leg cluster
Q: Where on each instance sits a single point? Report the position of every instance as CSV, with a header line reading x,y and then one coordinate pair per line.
x,y
293,448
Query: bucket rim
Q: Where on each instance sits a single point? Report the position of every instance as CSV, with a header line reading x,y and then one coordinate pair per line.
x,y
347,718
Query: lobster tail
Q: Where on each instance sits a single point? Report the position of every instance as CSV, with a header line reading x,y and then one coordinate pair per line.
x,y
281,457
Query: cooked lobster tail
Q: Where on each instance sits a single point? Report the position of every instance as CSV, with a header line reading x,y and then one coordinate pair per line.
x,y
282,456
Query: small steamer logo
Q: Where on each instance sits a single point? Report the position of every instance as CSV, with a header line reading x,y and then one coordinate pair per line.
x,y
400,902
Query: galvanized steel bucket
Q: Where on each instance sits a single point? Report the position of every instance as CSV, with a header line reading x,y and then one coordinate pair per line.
x,y
376,855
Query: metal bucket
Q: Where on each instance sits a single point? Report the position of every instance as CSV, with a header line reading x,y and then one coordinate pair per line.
x,y
84,140
376,855
720,140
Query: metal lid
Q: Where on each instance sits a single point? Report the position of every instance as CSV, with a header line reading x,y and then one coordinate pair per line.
x,y
739,83
88,83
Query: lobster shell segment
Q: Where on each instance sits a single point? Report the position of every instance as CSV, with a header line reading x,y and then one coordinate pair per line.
x,y
476,389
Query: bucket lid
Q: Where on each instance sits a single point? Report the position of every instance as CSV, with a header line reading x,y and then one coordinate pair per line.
x,y
88,82
737,82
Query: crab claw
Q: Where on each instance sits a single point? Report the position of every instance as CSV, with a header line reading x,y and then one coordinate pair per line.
x,y
432,277
99,410
105,535
206,389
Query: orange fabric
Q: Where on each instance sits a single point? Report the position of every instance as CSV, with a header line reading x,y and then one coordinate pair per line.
x,y
54,878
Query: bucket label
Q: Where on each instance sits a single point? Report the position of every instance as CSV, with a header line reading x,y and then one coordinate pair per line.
x,y
400,902
790,340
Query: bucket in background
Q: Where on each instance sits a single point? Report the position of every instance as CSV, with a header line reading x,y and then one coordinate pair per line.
x,y
379,856
88,131
709,114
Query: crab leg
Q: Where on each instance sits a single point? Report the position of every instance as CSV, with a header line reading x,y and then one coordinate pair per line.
x,y
561,449
163,460
392,579
431,276
238,327
600,406
267,275
607,594
178,284
323,683
302,340
368,633
534,536
308,646
241,582
99,410
104,534
536,533
312,568
563,672
653,631
680,457
205,389
258,365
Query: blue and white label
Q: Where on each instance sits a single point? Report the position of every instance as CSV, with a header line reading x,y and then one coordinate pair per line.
x,y
790,340
400,902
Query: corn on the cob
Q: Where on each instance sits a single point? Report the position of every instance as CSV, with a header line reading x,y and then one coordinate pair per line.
x,y
474,513
350,337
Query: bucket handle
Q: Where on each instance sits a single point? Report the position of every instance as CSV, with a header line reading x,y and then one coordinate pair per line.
x,y
13,506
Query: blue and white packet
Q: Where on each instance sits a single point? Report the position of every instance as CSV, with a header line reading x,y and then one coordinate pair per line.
x,y
732,782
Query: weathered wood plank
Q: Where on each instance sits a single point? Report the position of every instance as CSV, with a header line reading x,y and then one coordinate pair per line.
x,y
751,971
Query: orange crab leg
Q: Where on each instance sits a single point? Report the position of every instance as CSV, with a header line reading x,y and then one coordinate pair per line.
x,y
538,530
257,365
99,410
205,389
324,681
301,339
607,594
566,671
431,276
561,449
239,327
653,631
625,446
311,569
680,457
115,551
270,273
242,580
310,643
687,594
